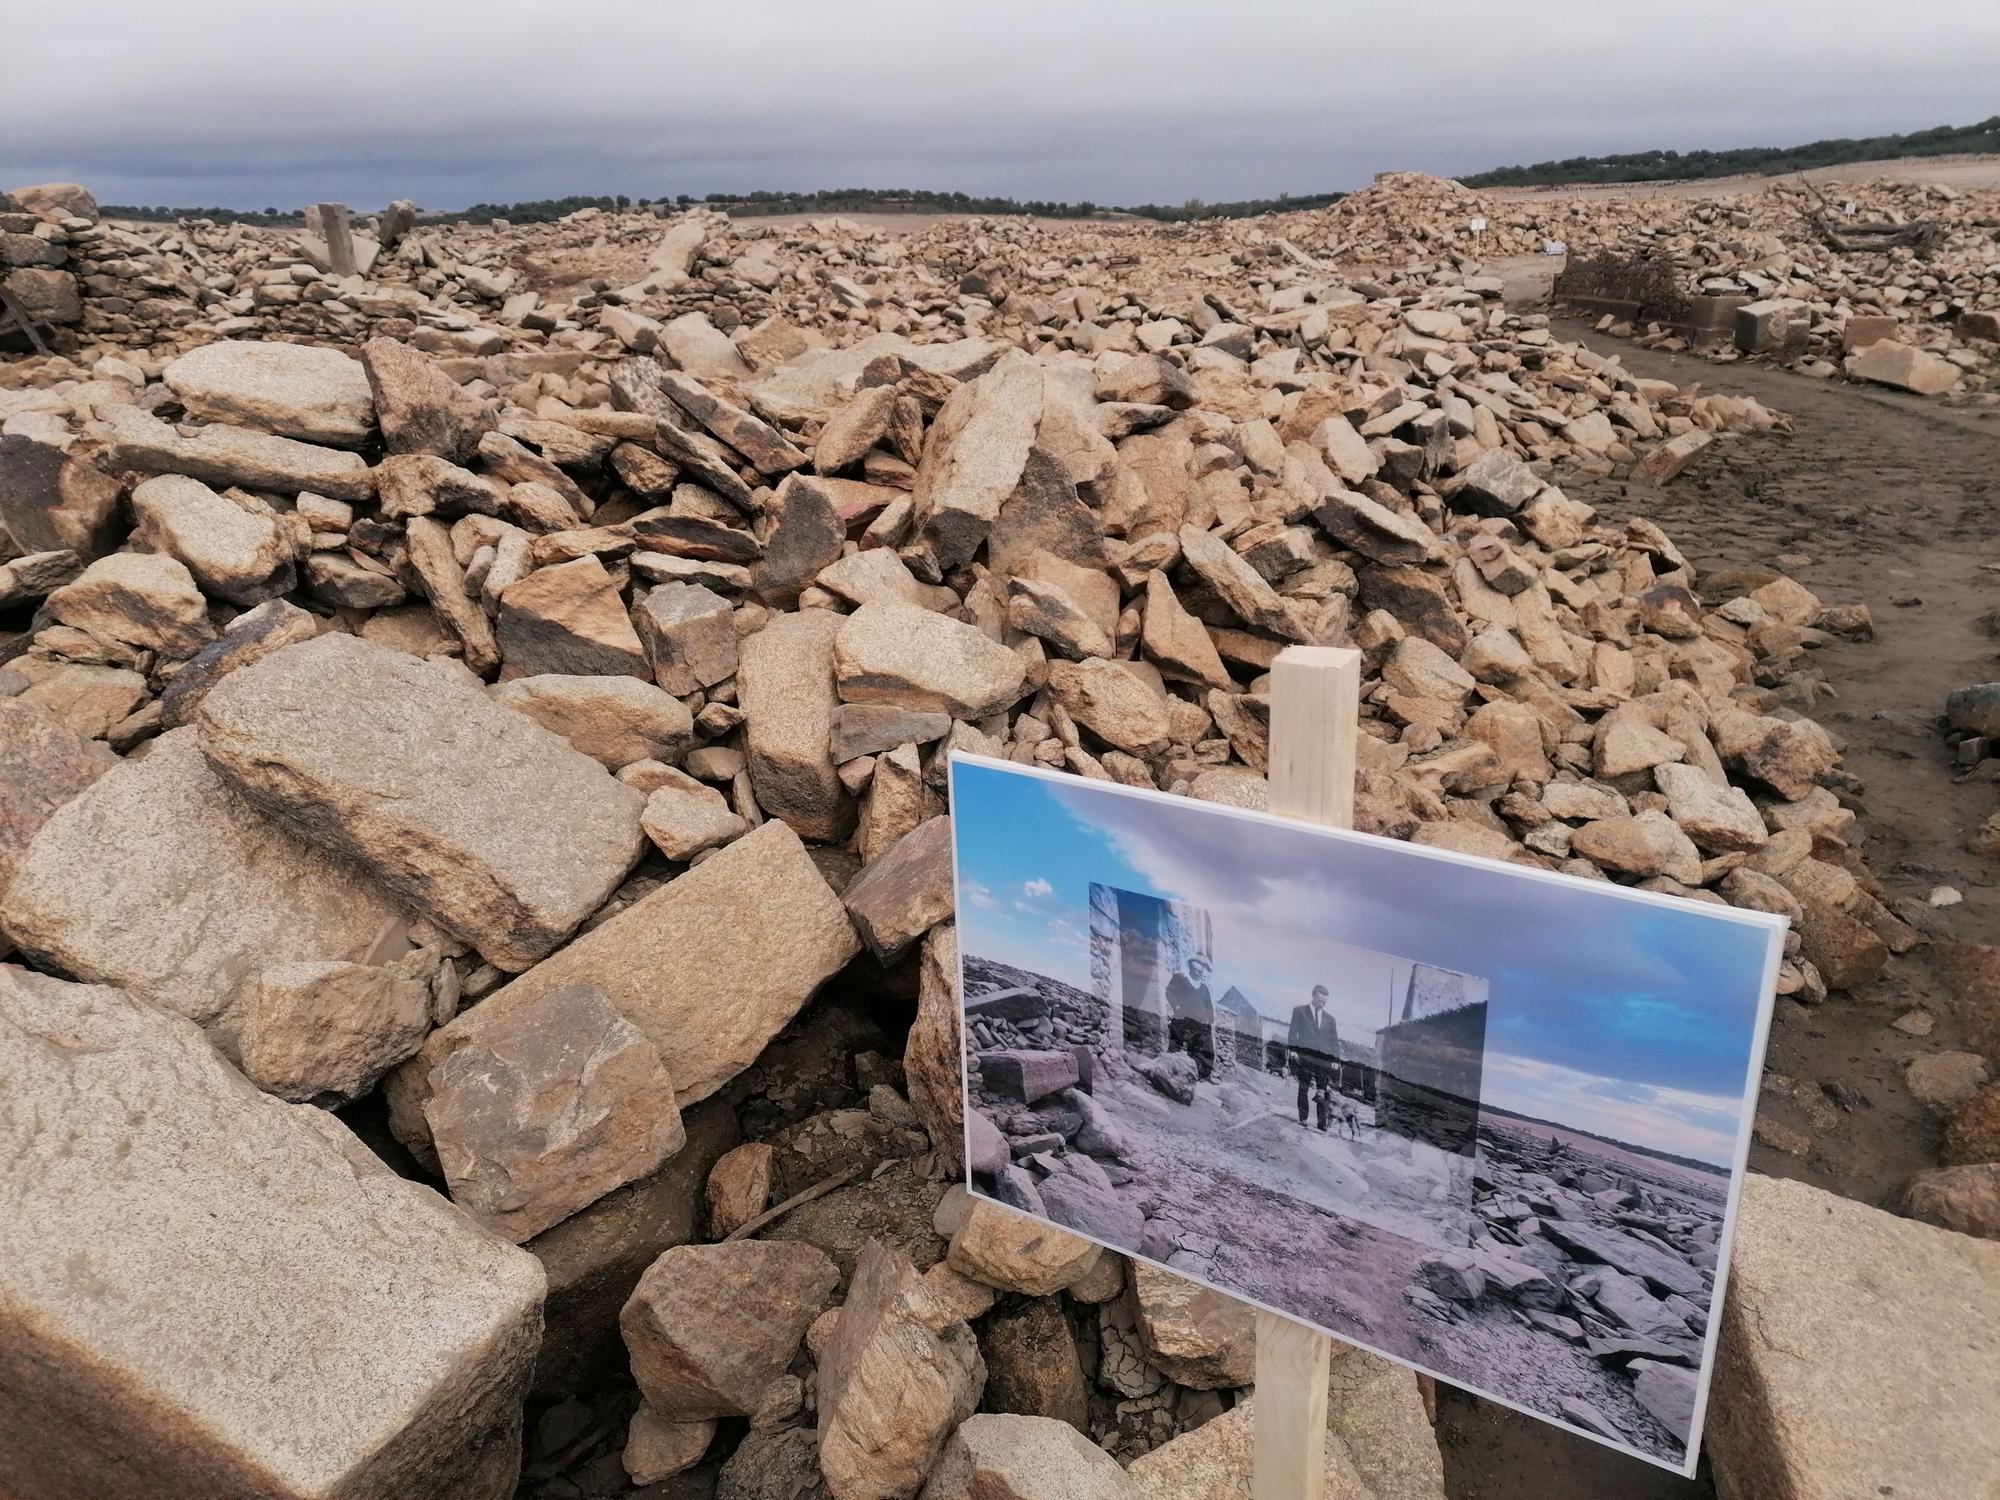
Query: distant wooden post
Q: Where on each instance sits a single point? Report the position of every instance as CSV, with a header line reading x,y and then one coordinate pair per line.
x,y
1315,707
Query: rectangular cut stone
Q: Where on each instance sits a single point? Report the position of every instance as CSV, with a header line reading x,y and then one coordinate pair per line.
x,y
160,878
1026,1075
716,962
1857,1354
784,684
207,1292
484,821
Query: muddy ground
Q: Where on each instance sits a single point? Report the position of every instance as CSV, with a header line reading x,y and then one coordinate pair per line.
x,y
1892,500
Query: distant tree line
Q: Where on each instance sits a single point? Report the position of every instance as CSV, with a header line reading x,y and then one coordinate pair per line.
x,y
763,202
1766,161
161,214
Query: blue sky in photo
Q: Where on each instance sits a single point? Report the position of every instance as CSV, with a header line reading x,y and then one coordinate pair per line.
x,y
1624,1017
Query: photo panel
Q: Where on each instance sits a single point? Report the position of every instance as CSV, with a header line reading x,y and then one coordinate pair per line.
x,y
1483,1119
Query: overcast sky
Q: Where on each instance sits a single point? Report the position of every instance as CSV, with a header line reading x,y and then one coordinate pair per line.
x,y
246,104
1631,1018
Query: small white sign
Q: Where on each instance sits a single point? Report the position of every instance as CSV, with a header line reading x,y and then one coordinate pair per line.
x,y
1477,226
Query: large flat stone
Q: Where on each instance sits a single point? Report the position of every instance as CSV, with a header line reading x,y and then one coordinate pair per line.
x,y
160,878
785,685
207,1292
1857,1354
295,390
476,815
974,455
221,454
716,962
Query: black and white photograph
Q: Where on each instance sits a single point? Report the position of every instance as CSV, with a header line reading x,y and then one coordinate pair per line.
x,y
1482,1120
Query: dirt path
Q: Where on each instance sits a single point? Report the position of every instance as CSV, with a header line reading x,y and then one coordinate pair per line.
x,y
1893,501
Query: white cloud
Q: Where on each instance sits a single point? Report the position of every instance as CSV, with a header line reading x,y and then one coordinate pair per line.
x,y
1037,888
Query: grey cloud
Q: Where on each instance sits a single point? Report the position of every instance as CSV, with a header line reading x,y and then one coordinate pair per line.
x,y
454,101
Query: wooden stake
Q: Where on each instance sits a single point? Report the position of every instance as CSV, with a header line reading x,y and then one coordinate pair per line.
x,y
1315,704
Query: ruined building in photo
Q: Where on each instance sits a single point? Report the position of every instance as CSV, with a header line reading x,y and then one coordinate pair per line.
x,y
1431,1058
1137,944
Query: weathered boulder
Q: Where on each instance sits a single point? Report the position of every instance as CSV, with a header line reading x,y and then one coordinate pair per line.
x,y
974,455
613,720
1015,1253
656,1447
167,1326
544,1106
420,408
234,552
325,1032
43,764
918,659
905,892
221,454
1895,1312
567,619
1197,1337
144,599
895,1379
785,685
304,391
689,636
739,1188
476,816
52,500
710,1327
160,878
1031,1364
933,1058
994,1456
716,962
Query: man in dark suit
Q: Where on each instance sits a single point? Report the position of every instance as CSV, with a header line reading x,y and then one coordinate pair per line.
x,y
1315,1045
1191,1016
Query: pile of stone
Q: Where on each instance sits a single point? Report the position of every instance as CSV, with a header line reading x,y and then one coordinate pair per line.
x,y
529,743
1922,317
40,227
1413,216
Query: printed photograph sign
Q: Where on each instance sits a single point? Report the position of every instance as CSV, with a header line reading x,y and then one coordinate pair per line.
x,y
1486,1120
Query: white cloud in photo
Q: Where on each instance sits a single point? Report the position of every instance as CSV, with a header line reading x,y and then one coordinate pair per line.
x,y
1037,889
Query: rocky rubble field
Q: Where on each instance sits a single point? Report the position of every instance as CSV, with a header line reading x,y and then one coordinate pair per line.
x,y
486,716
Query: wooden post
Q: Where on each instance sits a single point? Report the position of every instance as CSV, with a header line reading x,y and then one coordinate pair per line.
x,y
1315,703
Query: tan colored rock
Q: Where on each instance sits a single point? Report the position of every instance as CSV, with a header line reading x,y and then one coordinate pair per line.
x,y
1175,641
656,1447
710,1327
739,1188
1645,845
144,599
302,391
933,1057
918,659
567,619
545,1107
325,1032
905,891
174,1243
420,408
1895,1312
994,1456
689,636
854,429
974,456
1010,1251
1887,362
251,636
1113,703
892,1387
1195,1336
43,764
52,500
475,815
682,823
802,535
220,454
234,552
785,685
716,962
1239,586
443,581
1717,816
613,720
105,891
1965,1198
